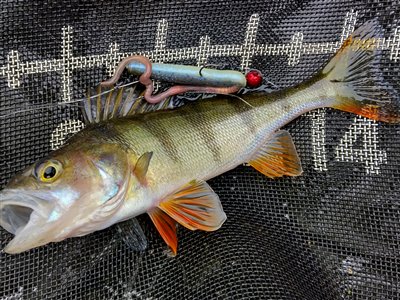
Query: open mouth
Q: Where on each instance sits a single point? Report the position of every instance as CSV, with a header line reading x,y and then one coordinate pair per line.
x,y
14,217
25,216
16,210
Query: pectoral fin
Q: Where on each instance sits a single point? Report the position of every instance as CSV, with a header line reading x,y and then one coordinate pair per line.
x,y
142,165
132,234
278,157
166,226
195,206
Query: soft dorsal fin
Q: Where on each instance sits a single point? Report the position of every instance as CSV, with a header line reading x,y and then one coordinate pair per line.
x,y
106,104
195,206
166,226
278,157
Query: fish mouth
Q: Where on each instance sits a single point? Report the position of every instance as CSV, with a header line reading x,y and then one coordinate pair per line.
x,y
24,216
14,217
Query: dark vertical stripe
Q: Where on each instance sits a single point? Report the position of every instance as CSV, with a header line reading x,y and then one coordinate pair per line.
x,y
163,136
245,113
196,117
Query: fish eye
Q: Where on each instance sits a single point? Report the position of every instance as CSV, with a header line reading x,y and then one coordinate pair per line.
x,y
48,171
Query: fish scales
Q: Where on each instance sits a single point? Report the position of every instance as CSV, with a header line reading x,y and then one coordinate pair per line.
x,y
207,138
157,162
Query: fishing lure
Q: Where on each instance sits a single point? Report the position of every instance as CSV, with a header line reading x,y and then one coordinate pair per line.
x,y
128,161
194,79
190,78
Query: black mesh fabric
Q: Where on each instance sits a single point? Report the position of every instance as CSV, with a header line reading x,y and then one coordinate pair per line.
x,y
332,233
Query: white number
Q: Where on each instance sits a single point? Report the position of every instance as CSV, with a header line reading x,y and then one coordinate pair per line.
x,y
365,132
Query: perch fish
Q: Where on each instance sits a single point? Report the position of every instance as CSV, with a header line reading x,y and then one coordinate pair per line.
x,y
127,162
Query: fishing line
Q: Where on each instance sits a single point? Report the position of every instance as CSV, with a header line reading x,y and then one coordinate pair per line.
x,y
71,103
115,88
240,98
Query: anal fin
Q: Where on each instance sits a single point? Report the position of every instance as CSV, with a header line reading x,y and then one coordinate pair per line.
x,y
278,157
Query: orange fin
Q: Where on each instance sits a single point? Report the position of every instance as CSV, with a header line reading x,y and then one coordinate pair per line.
x,y
195,206
355,76
142,165
166,226
278,157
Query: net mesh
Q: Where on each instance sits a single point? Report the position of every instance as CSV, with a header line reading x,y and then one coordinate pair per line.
x,y
332,233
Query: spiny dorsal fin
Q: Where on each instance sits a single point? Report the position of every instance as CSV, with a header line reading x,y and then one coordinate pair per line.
x,y
105,104
278,157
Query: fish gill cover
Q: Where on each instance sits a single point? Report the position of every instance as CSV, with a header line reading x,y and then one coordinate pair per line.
x,y
332,233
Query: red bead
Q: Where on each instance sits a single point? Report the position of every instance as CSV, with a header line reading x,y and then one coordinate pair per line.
x,y
254,79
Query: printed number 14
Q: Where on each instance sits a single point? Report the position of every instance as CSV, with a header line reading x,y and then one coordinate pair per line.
x,y
362,132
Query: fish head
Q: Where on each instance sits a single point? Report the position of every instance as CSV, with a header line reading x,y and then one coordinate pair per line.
x,y
72,192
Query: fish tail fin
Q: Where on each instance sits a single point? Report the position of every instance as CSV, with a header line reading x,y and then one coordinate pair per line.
x,y
356,80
